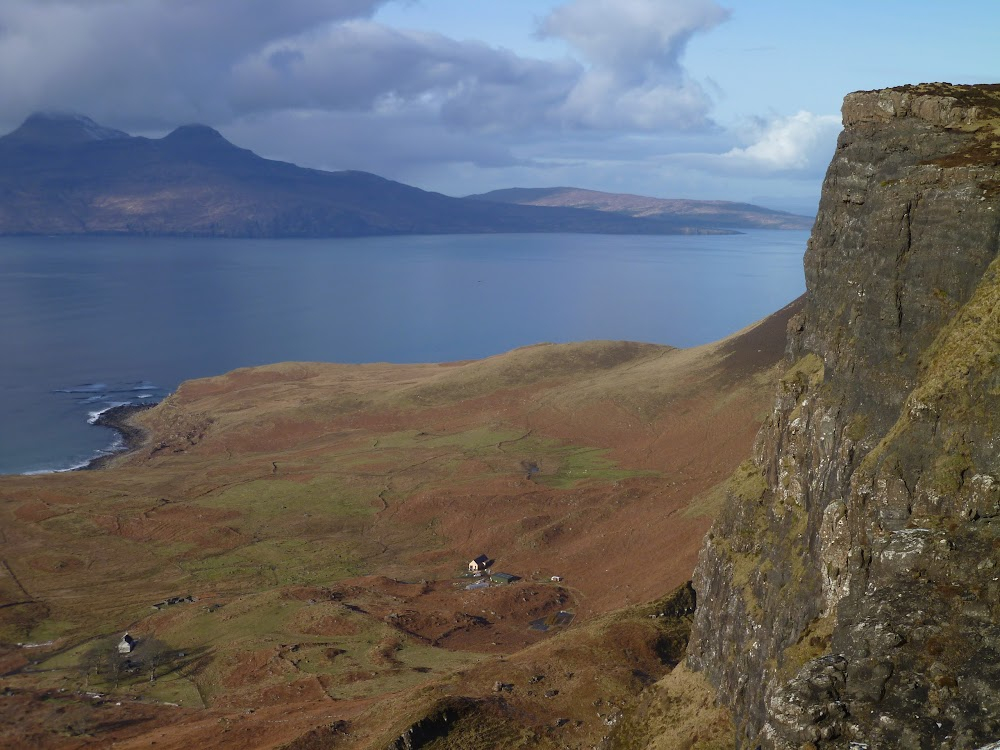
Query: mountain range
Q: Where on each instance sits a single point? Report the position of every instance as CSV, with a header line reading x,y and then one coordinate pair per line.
x,y
65,174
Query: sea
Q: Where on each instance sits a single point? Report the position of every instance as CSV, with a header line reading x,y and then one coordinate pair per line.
x,y
90,323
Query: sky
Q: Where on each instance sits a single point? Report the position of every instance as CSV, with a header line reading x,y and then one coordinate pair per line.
x,y
729,100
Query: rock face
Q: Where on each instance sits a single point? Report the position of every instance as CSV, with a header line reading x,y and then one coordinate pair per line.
x,y
849,591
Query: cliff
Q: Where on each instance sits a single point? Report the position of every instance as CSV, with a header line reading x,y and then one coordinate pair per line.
x,y
849,590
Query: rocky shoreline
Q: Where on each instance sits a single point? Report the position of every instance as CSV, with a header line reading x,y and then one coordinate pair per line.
x,y
118,419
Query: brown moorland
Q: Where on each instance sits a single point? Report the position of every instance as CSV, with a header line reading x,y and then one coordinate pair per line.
x,y
289,543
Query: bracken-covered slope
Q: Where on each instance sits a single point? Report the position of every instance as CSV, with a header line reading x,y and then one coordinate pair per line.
x,y
850,591
288,548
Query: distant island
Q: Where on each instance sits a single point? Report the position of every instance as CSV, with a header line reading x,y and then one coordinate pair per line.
x,y
691,213
64,174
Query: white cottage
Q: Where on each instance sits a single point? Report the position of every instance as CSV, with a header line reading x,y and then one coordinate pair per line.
x,y
126,644
480,564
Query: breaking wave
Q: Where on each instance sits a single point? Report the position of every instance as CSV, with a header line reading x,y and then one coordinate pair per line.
x,y
95,399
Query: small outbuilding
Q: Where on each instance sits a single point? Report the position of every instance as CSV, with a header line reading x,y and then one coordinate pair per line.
x,y
479,564
126,644
503,578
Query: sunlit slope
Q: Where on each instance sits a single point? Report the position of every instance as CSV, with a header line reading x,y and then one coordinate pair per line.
x,y
319,517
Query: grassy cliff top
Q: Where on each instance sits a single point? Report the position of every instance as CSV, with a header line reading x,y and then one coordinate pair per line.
x,y
986,95
971,102
957,108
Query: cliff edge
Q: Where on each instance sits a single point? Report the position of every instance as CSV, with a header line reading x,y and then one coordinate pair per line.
x,y
849,591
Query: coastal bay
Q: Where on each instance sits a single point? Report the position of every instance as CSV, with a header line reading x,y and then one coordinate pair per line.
x,y
91,323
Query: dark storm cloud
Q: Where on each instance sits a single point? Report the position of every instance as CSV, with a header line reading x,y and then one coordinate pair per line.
x,y
167,61
360,65
321,83
395,145
149,61
629,75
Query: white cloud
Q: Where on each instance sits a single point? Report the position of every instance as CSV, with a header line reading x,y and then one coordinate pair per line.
x,y
633,49
797,142
625,35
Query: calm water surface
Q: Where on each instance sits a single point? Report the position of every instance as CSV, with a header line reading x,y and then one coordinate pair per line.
x,y
92,322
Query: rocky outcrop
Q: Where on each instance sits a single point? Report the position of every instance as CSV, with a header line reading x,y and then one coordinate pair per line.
x,y
848,592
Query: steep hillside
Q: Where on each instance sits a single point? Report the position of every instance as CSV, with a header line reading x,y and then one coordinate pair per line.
x,y
65,174
289,547
848,592
693,213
